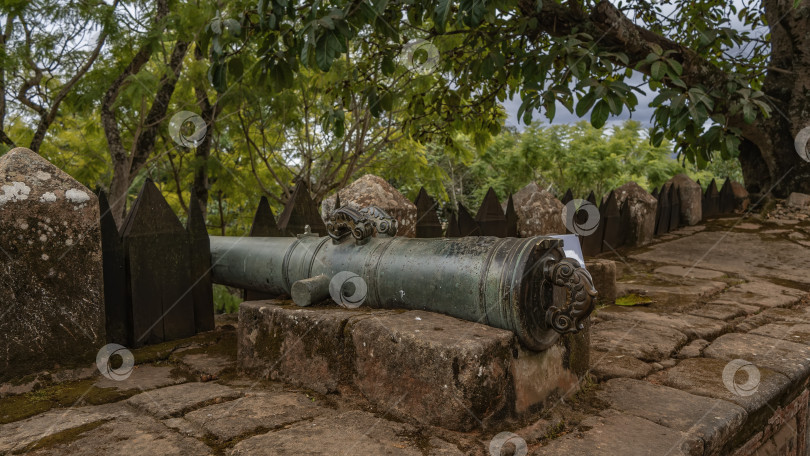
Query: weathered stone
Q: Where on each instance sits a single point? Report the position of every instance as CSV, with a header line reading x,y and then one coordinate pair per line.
x,y
143,377
704,377
607,365
691,199
690,325
371,190
641,208
409,362
713,421
15,437
762,294
208,364
741,198
352,432
613,433
305,347
800,200
691,273
126,436
788,358
647,342
603,273
792,333
692,349
538,211
739,253
255,411
720,310
51,287
175,400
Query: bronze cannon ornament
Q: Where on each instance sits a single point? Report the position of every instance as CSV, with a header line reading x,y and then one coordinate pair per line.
x,y
506,283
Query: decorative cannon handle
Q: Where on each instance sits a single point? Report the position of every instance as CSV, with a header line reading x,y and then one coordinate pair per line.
x,y
361,224
568,273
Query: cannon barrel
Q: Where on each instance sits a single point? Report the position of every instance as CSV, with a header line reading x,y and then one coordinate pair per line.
x,y
507,283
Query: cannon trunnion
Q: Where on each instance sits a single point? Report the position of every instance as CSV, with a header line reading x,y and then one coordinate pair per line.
x,y
502,282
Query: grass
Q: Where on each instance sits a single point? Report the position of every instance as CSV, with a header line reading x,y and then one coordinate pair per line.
x,y
225,301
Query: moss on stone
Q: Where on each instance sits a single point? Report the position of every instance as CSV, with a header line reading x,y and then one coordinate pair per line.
x,y
15,408
60,438
633,300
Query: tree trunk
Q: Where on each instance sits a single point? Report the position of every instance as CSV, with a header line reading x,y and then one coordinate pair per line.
x,y
769,159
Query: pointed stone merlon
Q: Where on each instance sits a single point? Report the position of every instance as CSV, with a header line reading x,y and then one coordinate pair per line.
x,y
428,224
51,286
690,200
299,212
371,190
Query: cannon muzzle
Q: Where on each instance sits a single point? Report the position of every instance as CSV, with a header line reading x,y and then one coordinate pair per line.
x,y
507,283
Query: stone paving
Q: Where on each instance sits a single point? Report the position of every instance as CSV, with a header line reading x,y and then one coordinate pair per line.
x,y
718,292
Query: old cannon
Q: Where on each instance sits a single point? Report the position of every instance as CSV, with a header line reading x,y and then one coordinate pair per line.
x,y
507,283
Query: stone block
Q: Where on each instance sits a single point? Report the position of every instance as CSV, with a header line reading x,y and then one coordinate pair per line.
x,y
614,433
800,200
603,273
538,211
407,362
353,432
714,421
411,361
641,211
278,340
642,340
691,199
228,420
788,358
741,198
51,286
179,399
371,190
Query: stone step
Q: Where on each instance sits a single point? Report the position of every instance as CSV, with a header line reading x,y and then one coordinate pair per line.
x,y
405,363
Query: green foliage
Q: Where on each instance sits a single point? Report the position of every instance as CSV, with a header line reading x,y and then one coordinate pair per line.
x,y
557,157
225,301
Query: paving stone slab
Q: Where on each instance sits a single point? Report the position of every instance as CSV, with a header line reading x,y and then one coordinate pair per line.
x,y
739,253
125,436
714,421
789,358
144,377
253,412
693,326
800,315
17,435
645,341
208,364
686,287
762,294
724,310
691,273
799,333
350,433
692,349
622,434
606,365
704,377
174,400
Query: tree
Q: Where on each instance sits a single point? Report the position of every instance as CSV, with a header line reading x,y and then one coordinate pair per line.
x,y
46,48
723,88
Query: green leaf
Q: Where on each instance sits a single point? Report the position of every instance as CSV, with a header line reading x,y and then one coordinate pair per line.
x,y
600,113
442,14
657,70
749,114
236,68
585,103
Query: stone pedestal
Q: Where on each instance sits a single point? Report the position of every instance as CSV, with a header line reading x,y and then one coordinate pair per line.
x,y
417,365
51,301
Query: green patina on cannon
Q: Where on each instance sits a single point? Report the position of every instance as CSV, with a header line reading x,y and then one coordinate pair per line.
x,y
507,283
